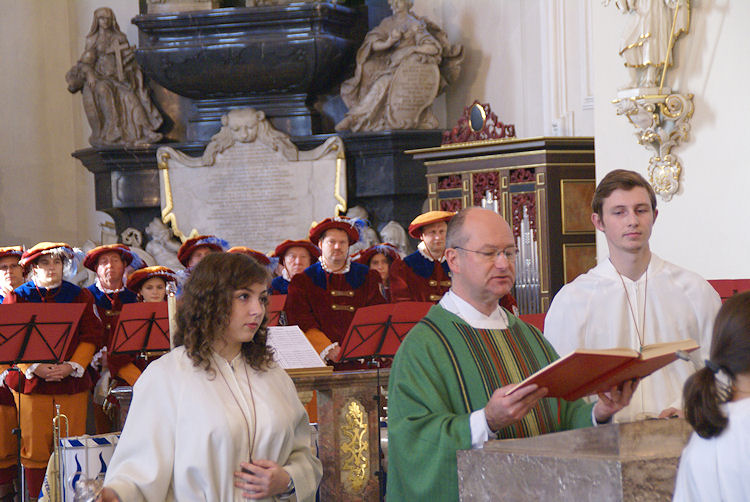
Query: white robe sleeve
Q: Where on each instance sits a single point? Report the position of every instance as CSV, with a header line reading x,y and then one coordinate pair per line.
x,y
565,322
303,466
141,468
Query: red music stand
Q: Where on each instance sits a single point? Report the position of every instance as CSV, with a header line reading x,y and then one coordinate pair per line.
x,y
376,331
142,327
274,309
37,332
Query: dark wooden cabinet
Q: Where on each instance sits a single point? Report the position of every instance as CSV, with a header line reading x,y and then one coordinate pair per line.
x,y
541,186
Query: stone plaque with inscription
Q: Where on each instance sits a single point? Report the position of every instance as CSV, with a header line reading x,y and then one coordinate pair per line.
x,y
252,186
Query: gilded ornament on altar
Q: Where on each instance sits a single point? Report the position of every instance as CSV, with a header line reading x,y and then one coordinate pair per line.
x,y
355,449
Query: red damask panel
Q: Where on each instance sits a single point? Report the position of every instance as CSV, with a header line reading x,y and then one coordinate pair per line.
x,y
451,204
481,182
448,182
517,202
522,175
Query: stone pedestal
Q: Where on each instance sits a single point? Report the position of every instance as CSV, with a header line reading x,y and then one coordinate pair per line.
x,y
348,423
126,182
620,462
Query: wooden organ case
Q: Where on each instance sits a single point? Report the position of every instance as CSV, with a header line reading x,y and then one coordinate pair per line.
x,y
541,186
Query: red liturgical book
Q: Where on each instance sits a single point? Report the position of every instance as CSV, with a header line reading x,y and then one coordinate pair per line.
x,y
584,372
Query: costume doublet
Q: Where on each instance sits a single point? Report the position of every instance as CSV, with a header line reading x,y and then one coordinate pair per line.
x,y
279,286
325,303
71,392
187,431
109,306
443,371
419,279
716,468
592,312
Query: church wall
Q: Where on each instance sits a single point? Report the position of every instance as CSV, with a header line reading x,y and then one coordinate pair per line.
x,y
530,60
704,227
45,194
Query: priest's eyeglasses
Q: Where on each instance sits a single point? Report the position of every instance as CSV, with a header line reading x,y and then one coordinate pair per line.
x,y
492,255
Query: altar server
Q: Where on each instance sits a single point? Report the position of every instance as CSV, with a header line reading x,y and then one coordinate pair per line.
x,y
322,300
41,386
216,418
11,276
294,257
714,464
633,298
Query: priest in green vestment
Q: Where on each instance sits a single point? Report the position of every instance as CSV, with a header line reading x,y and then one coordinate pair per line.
x,y
448,384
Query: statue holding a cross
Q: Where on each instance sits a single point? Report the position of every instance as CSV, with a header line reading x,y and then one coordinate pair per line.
x,y
115,99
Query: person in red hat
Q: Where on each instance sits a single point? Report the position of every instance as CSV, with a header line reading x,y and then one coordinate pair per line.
x,y
43,384
150,283
252,253
322,300
423,276
380,258
294,257
11,276
194,249
11,273
108,262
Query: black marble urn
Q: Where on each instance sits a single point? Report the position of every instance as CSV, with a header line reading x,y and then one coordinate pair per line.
x,y
279,59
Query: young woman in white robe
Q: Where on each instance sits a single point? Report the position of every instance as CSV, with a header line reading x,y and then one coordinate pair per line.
x,y
216,418
714,464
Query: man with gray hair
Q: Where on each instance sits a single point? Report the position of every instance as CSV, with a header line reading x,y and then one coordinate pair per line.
x,y
451,376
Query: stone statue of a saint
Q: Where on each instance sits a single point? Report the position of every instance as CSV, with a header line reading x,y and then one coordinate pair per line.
x,y
403,64
648,39
393,233
116,101
162,246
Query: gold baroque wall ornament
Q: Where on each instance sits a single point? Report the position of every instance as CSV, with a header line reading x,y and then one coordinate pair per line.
x,y
662,122
660,115
354,447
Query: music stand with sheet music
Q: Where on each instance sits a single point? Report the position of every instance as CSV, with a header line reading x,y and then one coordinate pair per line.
x,y
142,328
35,333
275,308
376,332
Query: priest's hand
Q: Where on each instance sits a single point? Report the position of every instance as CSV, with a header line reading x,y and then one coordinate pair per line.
x,y
261,478
613,401
503,410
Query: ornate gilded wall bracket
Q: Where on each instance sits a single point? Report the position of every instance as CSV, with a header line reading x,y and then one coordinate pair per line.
x,y
662,121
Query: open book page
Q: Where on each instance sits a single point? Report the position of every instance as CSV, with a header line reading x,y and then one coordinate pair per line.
x,y
569,373
584,372
653,357
292,349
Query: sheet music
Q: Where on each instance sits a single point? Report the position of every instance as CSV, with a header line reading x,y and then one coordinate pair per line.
x,y
292,348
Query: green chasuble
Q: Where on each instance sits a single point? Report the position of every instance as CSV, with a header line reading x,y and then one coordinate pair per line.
x,y
443,371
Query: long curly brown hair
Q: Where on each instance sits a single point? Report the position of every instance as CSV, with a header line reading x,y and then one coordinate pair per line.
x,y
205,306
